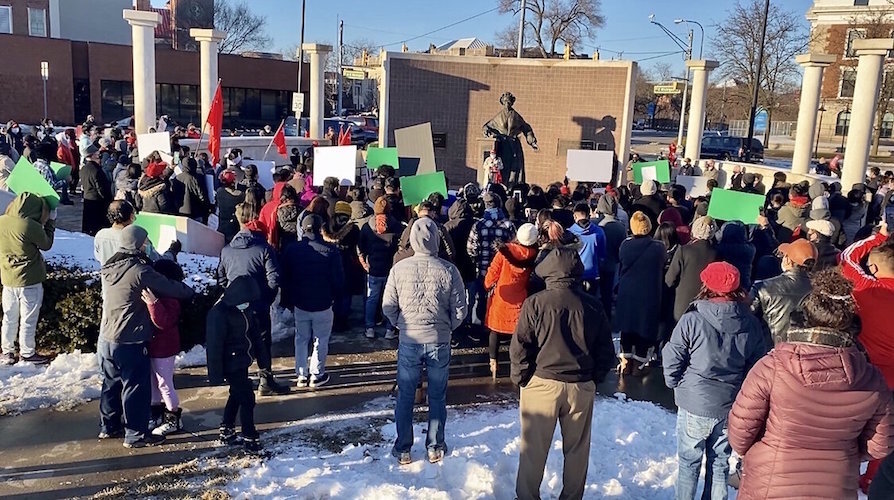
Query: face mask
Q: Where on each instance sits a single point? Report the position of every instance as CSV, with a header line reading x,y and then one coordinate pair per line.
x,y
15,130
242,307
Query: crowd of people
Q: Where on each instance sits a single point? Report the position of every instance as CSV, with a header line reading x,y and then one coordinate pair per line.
x,y
732,314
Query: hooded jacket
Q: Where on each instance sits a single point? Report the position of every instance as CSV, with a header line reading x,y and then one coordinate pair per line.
x,y
775,299
791,216
312,274
154,196
425,297
446,248
733,247
165,315
673,215
378,249
562,333
592,249
95,183
710,351
249,254
189,193
22,237
507,278
231,332
806,416
227,199
125,317
459,226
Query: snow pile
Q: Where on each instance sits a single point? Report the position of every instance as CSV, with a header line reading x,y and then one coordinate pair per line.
x,y
71,379
194,357
632,455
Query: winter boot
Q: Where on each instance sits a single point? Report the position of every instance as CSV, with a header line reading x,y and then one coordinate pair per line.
x,y
227,436
171,425
493,369
639,368
156,415
268,385
252,445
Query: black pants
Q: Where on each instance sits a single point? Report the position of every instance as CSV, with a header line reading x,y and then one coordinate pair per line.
x,y
262,349
606,290
241,401
882,486
632,343
494,341
591,286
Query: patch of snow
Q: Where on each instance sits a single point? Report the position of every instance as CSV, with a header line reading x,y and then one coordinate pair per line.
x,y
69,380
194,357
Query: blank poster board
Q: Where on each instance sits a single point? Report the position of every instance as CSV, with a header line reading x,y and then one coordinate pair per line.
x,y
662,171
729,205
159,141
589,166
695,185
196,237
265,171
376,157
417,188
415,142
336,161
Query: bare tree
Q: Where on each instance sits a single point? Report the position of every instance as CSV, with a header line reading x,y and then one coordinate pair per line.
x,y
878,22
246,31
663,71
547,22
737,44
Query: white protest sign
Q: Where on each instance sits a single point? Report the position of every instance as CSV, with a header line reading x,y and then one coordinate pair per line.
x,y
148,143
695,186
265,171
649,174
589,166
336,161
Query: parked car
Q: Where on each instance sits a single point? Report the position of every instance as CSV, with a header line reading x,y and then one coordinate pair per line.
x,y
728,148
367,123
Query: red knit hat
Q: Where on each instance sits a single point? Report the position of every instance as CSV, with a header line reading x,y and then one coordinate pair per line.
x,y
155,169
721,277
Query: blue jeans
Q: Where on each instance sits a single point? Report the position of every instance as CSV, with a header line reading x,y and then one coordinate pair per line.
x,y
410,358
316,325
374,291
126,391
697,437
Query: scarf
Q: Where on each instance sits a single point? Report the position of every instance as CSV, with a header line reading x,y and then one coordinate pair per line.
x,y
381,223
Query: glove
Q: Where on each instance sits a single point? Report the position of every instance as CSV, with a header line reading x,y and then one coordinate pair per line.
x,y
52,214
175,247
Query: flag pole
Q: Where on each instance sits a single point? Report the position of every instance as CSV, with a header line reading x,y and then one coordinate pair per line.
x,y
205,125
273,139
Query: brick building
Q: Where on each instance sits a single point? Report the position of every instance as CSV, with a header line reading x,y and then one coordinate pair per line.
x,y
25,17
834,25
577,104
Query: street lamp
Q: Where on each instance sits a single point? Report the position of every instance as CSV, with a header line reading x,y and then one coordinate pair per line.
x,y
701,47
822,109
686,47
846,127
45,75
300,66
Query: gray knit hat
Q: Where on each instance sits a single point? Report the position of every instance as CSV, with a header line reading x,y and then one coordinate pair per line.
x,y
703,228
133,237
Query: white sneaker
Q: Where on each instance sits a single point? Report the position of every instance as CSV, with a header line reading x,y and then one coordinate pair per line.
x,y
391,334
302,382
370,333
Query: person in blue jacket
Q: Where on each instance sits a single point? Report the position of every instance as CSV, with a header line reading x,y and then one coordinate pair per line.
x,y
592,249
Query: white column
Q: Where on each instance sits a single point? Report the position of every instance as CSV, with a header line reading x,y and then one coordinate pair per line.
x,y
872,53
701,70
143,24
811,85
318,54
208,40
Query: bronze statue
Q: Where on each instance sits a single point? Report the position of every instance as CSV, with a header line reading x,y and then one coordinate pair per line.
x,y
505,128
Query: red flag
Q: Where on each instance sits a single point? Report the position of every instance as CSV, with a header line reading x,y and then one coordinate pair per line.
x,y
279,139
344,139
215,125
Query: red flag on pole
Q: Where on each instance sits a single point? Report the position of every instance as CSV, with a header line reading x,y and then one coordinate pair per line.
x,y
279,139
344,139
215,125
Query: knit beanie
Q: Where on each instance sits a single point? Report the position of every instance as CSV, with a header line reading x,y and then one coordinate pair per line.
x,y
703,228
720,277
649,188
820,203
133,237
527,234
640,225
381,206
343,207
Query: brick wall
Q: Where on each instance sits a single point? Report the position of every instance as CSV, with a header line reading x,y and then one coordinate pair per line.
x,y
21,85
563,101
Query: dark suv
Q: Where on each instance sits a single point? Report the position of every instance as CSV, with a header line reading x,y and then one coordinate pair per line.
x,y
728,148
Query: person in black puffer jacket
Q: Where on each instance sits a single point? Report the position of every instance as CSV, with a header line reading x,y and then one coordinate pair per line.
x,y
376,248
232,330
733,247
153,192
189,192
97,196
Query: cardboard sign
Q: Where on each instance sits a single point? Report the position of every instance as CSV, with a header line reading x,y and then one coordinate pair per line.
x,y
729,205
417,188
695,185
61,170
376,157
336,161
26,179
589,166
416,142
662,171
149,143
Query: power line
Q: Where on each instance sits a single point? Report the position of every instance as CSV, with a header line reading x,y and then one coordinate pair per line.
x,y
660,56
488,11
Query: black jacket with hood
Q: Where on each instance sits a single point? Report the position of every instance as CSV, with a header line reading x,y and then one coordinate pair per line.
x,y
462,220
562,333
154,196
231,331
189,192
312,273
249,254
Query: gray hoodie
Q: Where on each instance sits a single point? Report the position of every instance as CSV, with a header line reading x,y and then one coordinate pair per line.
x,y
425,297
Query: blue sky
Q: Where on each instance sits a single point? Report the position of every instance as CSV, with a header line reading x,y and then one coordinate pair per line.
x,y
626,30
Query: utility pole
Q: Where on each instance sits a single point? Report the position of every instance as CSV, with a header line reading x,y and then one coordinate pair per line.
x,y
757,82
45,75
341,51
685,94
521,30
300,66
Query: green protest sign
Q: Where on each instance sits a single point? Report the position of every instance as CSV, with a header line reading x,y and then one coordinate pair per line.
x,y
62,170
376,157
729,205
417,188
162,228
26,179
661,168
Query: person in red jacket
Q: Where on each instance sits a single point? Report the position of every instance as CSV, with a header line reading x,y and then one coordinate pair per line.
x,y
163,349
874,294
507,278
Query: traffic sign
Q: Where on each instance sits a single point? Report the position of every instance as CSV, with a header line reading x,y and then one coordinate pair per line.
x,y
298,102
354,74
668,88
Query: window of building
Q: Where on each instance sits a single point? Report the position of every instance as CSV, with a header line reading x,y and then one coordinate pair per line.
x,y
853,34
843,123
37,22
848,81
5,19
117,100
887,126
860,3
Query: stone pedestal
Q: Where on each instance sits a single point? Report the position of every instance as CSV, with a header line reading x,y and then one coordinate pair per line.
x,y
872,53
318,53
811,85
208,40
143,24
701,70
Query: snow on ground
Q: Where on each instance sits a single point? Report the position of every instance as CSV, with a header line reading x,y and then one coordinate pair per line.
x,y
71,379
192,358
632,455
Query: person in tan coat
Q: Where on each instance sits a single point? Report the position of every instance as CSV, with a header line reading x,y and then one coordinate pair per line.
x,y
813,408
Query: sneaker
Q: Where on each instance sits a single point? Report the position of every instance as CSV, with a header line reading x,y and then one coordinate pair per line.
x,y
36,359
171,423
454,343
147,440
319,381
404,458
227,437
302,382
111,434
252,445
8,359
370,333
435,455
391,334
269,386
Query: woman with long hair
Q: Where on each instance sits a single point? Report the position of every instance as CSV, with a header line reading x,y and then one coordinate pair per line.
x,y
667,234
